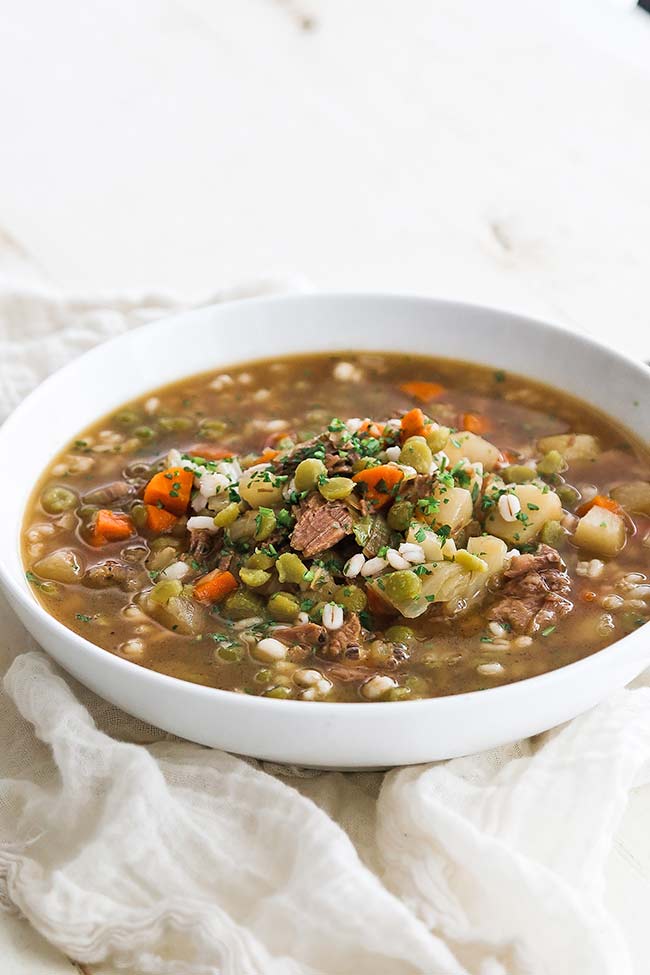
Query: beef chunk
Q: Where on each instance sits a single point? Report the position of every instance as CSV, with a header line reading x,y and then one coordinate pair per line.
x,y
204,545
320,525
112,573
544,558
346,673
535,592
302,634
417,488
348,636
113,493
340,464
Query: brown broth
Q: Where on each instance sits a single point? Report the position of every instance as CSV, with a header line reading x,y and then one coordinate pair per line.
x,y
301,392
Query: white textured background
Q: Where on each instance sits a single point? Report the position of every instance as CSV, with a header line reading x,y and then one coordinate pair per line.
x,y
497,151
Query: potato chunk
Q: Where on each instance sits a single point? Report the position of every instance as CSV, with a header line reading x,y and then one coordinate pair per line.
x,y
492,550
536,509
572,446
462,444
455,508
180,613
601,531
62,566
633,496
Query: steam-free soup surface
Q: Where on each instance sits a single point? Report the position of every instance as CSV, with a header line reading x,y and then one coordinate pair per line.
x,y
347,527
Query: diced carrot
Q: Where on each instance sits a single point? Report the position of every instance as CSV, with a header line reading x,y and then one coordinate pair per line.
x,y
381,483
588,596
371,428
159,520
171,489
599,501
210,452
214,586
423,391
413,424
267,455
111,526
475,423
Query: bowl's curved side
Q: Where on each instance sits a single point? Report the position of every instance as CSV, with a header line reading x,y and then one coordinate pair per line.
x,y
341,735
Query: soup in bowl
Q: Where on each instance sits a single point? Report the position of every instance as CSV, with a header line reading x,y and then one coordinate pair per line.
x,y
326,531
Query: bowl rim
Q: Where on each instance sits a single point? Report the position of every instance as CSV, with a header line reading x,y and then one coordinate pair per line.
x,y
500,694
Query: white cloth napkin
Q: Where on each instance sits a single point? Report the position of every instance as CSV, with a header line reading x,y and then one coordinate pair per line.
x,y
122,844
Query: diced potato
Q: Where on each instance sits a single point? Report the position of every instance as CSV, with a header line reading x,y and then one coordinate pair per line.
x,y
419,535
633,496
536,509
572,446
456,507
492,550
180,613
62,566
462,444
601,531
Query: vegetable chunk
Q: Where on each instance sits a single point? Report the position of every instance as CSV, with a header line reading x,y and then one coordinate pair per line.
x,y
601,531
535,509
572,446
170,489
476,449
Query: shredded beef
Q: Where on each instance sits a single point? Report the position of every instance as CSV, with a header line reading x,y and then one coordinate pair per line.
x,y
535,592
544,558
225,561
346,673
340,464
320,525
417,488
302,634
347,636
203,545
110,493
112,573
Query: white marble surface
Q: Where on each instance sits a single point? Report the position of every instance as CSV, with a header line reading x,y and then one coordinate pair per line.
x,y
498,152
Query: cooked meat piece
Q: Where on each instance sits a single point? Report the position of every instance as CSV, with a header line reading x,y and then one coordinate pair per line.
x,y
299,654
302,450
418,487
544,558
113,493
112,573
535,592
340,464
346,673
320,525
203,544
302,634
349,635
225,561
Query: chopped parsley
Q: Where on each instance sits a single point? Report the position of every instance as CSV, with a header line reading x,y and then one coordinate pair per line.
x,y
83,618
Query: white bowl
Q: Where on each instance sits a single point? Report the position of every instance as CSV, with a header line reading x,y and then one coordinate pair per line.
x,y
320,735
